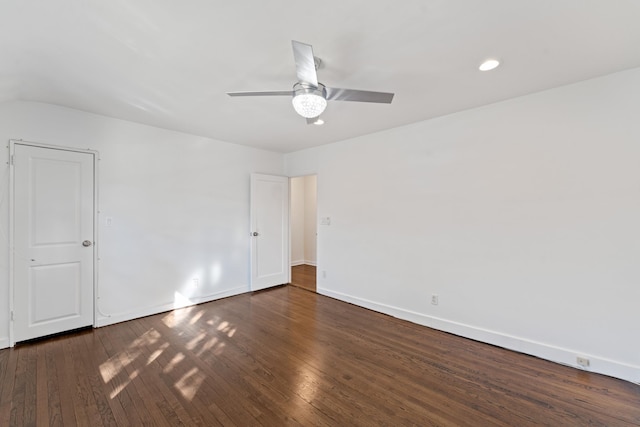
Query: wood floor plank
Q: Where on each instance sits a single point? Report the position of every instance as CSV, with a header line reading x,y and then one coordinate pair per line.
x,y
30,408
229,384
160,358
8,360
348,396
370,358
75,388
63,383
87,382
42,394
52,386
369,377
287,356
114,379
146,393
18,401
304,276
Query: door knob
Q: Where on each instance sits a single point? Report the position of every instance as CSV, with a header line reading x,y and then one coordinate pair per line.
x,y
86,243
254,234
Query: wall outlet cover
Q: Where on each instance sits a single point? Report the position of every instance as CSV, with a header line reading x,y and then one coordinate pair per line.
x,y
582,361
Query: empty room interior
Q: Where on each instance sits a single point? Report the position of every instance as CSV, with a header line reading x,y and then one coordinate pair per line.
x,y
336,213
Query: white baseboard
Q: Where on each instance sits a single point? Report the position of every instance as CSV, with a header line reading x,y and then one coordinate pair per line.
x,y
303,262
4,342
552,353
105,320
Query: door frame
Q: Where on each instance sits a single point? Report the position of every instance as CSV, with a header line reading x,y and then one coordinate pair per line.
x,y
291,177
96,158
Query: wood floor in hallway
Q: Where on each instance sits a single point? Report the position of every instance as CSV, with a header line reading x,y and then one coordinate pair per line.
x,y
286,356
304,276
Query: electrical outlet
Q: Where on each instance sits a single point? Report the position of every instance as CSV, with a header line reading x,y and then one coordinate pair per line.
x,y
582,361
434,299
324,274
196,282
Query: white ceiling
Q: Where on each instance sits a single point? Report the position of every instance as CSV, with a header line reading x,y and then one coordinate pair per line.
x,y
168,63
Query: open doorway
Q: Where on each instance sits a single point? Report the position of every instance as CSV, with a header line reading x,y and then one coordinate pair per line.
x,y
304,231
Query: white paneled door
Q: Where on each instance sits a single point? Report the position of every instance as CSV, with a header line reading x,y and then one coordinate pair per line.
x,y
53,239
269,231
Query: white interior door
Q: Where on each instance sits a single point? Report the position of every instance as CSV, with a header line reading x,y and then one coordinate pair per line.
x,y
53,236
269,230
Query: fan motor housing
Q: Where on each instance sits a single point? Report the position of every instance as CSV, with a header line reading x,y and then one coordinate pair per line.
x,y
300,88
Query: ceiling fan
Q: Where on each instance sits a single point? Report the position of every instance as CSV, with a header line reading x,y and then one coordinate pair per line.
x,y
309,97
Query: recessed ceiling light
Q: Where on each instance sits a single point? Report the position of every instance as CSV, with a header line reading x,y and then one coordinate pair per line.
x,y
489,64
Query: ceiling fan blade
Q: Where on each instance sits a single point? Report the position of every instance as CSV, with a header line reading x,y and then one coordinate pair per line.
x,y
305,65
336,94
265,93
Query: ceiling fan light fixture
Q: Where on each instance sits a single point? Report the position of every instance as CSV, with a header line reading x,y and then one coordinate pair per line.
x,y
309,96
309,101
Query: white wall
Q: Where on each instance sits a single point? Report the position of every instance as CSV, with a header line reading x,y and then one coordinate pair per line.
x,y
297,220
523,216
179,203
310,219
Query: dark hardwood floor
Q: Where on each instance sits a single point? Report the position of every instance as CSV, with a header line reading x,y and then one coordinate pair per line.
x,y
286,356
304,276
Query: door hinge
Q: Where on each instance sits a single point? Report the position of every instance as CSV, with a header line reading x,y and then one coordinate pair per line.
x,y
12,315
11,159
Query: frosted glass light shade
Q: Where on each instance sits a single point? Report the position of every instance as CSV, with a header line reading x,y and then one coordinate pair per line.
x,y
309,105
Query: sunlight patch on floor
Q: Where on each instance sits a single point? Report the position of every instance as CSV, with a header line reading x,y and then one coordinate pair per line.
x,y
117,364
196,317
212,346
206,338
213,321
175,361
223,325
227,328
190,383
116,391
153,356
194,342
147,339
